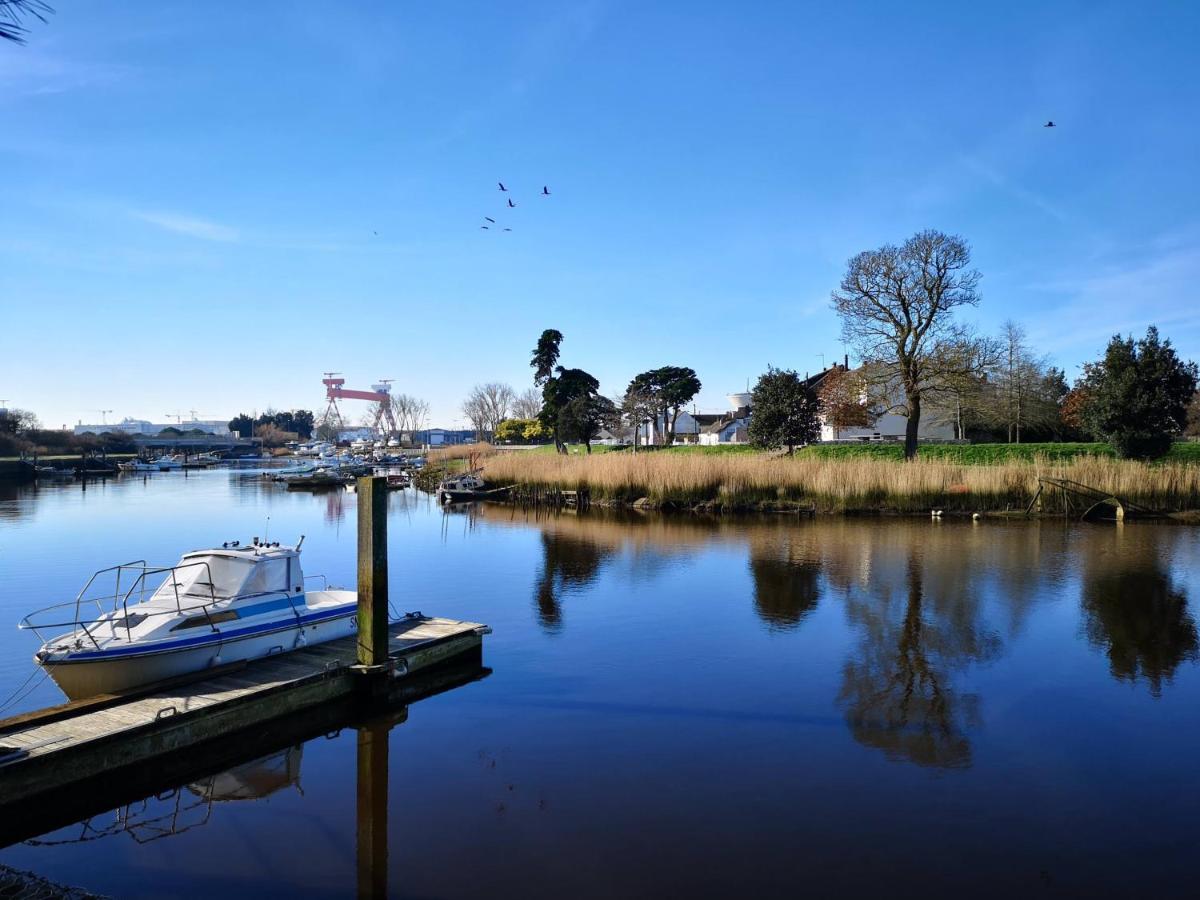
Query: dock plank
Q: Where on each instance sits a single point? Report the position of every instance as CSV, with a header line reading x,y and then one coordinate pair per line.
x,y
61,745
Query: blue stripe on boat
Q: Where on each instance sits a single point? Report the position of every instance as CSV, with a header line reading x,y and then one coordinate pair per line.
x,y
346,609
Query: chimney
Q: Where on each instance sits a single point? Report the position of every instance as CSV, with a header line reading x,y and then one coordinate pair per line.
x,y
846,361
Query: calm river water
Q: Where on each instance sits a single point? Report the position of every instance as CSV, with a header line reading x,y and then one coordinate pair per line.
x,y
682,706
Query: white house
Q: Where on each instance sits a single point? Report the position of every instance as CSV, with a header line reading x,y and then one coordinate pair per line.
x,y
890,426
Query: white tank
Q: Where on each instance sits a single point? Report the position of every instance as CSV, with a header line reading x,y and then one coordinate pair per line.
x,y
737,401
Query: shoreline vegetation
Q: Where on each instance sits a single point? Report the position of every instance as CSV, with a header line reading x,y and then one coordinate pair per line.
x,y
844,479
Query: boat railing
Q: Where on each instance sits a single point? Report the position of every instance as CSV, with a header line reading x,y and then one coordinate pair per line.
x,y
34,621
324,581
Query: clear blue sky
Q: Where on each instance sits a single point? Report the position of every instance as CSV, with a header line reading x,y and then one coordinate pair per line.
x,y
191,189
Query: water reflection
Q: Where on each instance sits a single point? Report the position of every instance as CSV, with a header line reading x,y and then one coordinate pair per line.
x,y
786,568
181,809
1136,613
898,689
568,563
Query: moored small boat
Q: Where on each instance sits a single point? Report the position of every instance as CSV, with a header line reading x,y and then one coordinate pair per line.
x,y
216,606
465,487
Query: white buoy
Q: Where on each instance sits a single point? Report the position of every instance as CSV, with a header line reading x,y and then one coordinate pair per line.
x,y
976,517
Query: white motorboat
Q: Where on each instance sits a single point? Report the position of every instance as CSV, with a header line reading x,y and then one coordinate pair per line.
x,y
231,603
137,465
167,463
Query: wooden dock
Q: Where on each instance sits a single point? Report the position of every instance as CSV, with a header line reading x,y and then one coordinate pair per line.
x,y
52,749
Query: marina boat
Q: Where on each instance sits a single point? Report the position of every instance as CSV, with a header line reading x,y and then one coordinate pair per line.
x,y
318,478
227,604
137,465
468,486
53,472
167,463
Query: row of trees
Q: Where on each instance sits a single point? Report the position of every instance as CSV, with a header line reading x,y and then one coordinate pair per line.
x,y
897,307
274,424
21,432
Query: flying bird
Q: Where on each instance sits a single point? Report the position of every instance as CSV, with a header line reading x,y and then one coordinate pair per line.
x,y
502,187
545,191
490,219
376,233
508,229
484,227
1049,124
511,205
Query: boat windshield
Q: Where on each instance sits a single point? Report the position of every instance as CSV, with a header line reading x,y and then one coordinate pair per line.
x,y
191,579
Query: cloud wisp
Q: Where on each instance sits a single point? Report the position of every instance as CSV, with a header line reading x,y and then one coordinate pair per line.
x,y
189,226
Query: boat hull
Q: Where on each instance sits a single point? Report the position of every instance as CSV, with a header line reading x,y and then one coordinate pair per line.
x,y
89,677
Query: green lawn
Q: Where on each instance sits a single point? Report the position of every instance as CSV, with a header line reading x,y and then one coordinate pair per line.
x,y
970,454
983,454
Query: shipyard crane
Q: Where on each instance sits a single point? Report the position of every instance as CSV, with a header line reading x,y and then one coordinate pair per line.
x,y
384,420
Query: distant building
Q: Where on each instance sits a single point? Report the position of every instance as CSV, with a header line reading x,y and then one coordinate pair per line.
x,y
441,437
141,426
935,425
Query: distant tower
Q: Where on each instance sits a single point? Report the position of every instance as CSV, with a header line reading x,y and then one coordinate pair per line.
x,y
738,401
332,415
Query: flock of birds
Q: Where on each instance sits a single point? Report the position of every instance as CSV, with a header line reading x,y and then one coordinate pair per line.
x,y
492,224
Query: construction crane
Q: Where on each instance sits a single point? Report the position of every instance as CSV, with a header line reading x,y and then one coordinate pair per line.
x,y
384,419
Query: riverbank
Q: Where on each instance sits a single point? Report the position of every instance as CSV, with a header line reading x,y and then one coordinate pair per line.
x,y
742,482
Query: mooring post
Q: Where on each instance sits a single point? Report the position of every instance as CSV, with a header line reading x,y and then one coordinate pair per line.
x,y
372,811
372,571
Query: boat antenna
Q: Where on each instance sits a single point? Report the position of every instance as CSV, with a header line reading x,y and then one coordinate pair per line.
x,y
300,542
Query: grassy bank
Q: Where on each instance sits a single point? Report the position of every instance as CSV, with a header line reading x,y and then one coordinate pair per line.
x,y
988,454
743,481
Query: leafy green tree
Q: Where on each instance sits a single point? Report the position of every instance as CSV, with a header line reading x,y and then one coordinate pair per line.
x,y
784,411
667,389
559,391
582,418
512,429
242,425
534,431
545,356
302,423
1138,395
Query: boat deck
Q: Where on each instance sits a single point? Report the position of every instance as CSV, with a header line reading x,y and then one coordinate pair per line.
x,y
56,747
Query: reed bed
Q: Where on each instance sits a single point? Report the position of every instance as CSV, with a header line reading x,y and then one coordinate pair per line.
x,y
460,451
745,480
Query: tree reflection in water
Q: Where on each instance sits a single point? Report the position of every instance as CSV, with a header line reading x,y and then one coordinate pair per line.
x,y
898,690
567,563
786,576
1138,615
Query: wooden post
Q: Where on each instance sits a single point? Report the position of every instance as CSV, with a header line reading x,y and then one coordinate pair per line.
x,y
372,571
372,811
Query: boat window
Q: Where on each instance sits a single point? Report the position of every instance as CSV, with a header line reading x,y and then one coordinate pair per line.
x,y
212,619
130,621
268,575
222,577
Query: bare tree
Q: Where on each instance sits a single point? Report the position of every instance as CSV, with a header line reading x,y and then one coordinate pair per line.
x,y
487,406
418,413
527,404
897,305
637,408
1020,399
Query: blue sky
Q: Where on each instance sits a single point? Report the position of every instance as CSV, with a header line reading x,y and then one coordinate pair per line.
x,y
192,191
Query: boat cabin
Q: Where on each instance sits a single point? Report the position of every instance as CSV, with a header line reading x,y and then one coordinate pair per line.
x,y
235,571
